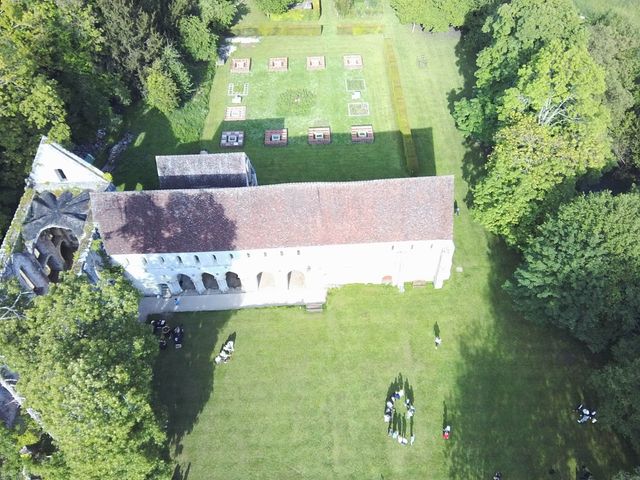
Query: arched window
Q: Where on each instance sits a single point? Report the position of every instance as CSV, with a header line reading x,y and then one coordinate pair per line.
x,y
179,259
266,280
233,280
295,279
210,282
196,259
185,282
214,258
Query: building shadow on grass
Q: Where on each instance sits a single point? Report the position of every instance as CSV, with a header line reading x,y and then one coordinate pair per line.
x,y
184,378
512,406
340,160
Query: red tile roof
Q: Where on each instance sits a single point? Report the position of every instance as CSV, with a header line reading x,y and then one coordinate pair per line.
x,y
272,216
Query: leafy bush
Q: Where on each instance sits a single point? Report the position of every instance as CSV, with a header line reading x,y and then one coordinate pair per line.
x,y
344,7
299,14
196,38
273,6
269,29
400,108
296,102
360,28
161,91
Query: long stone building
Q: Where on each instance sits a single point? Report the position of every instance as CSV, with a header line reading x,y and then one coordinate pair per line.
x,y
213,231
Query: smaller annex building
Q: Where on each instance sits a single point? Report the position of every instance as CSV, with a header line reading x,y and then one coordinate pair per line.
x,y
211,230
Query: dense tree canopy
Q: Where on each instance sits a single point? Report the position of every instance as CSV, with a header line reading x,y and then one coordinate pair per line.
x,y
615,45
67,67
96,358
582,270
518,31
435,15
274,6
554,129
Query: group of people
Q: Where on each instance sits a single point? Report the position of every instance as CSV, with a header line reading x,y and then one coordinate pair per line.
x,y
166,333
395,421
225,353
586,414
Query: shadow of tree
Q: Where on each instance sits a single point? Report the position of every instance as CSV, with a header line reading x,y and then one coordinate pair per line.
x,y
184,378
529,436
169,221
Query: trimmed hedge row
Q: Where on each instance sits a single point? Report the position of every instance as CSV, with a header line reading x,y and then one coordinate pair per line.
x,y
400,108
269,29
360,28
298,14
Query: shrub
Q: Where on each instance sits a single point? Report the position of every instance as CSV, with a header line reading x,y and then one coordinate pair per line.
x,y
196,38
297,101
269,29
360,29
400,108
299,14
161,91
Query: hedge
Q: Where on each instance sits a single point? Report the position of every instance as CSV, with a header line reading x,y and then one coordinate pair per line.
x,y
298,14
268,29
360,28
400,109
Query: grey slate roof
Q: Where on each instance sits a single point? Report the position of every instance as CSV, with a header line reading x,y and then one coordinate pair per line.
x,y
47,210
202,171
285,215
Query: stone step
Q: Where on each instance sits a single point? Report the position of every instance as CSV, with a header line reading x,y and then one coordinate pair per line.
x,y
315,307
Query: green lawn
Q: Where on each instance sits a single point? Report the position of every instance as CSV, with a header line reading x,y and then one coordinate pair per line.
x,y
299,161
303,396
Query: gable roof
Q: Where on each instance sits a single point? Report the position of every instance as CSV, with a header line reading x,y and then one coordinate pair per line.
x,y
285,215
51,157
211,170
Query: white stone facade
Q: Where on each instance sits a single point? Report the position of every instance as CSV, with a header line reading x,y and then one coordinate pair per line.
x,y
56,168
288,275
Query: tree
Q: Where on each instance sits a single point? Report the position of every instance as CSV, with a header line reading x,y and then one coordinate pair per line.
x,y
435,15
218,14
620,384
635,475
581,270
161,90
615,45
517,31
96,357
529,172
274,6
132,43
196,38
556,131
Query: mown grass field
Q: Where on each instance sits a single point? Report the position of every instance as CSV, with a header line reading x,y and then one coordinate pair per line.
x,y
299,161
304,394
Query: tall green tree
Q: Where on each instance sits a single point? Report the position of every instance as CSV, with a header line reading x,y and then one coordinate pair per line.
x,y
196,38
555,131
619,386
581,271
85,366
518,30
435,15
614,43
274,6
